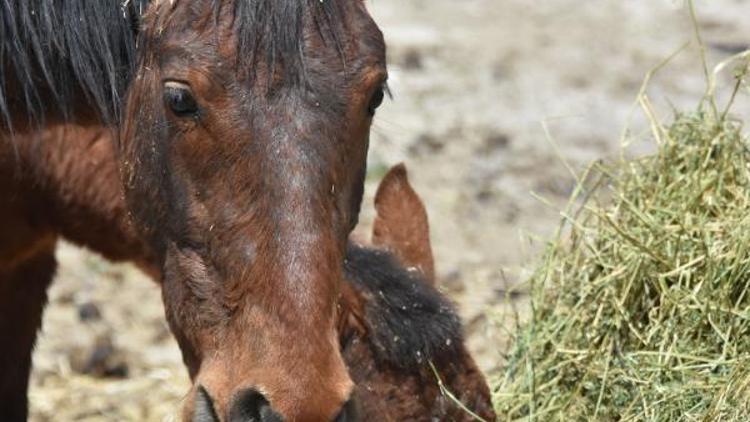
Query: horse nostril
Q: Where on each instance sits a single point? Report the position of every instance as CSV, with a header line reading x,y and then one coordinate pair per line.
x,y
348,413
204,407
250,406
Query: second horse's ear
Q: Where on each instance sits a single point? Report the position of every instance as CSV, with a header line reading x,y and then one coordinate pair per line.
x,y
401,224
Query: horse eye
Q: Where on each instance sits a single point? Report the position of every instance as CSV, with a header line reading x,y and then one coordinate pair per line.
x,y
179,99
376,100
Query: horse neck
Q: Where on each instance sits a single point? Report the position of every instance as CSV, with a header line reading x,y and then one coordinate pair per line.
x,y
66,174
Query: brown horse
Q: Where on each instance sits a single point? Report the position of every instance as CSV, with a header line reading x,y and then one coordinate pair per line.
x,y
397,333
387,342
243,130
394,329
241,152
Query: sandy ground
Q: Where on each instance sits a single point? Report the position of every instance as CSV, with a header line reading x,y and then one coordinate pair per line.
x,y
475,82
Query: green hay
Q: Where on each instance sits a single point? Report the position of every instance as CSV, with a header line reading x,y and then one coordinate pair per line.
x,y
641,306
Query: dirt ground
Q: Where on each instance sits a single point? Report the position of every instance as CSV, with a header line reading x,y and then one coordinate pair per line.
x,y
475,83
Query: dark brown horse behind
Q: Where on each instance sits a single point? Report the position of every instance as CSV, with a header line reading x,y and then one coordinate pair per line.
x,y
242,129
397,333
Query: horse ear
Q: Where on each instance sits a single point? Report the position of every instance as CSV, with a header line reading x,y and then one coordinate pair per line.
x,y
401,225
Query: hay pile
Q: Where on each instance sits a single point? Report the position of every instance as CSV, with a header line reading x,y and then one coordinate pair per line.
x,y
641,307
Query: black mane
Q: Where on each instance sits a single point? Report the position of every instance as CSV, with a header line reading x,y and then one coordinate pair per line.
x,y
409,322
52,50
59,48
272,31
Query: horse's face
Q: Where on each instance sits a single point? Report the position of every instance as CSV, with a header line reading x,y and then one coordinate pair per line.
x,y
243,154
